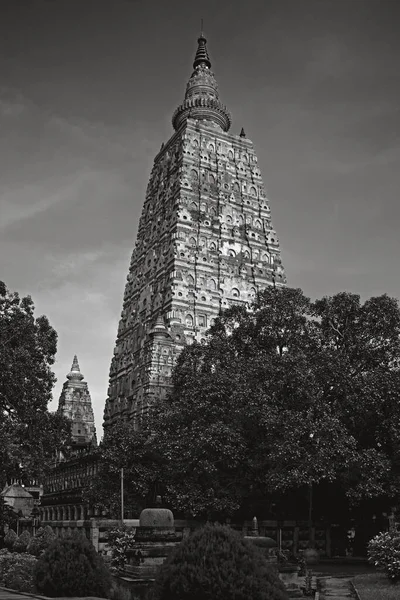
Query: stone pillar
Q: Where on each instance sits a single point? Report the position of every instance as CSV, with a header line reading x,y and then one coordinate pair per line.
x,y
94,534
75,513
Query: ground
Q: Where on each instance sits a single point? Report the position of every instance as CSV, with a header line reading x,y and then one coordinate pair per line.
x,y
376,586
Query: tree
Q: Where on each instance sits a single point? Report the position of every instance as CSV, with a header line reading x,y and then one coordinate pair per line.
x,y
286,396
29,434
123,448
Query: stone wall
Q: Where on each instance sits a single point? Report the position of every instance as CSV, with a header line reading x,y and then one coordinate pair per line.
x,y
294,534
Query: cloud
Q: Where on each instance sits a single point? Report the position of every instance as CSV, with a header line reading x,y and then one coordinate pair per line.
x,y
26,201
12,102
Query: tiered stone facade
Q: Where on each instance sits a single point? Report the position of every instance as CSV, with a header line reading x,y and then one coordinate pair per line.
x,y
78,462
62,499
76,404
205,241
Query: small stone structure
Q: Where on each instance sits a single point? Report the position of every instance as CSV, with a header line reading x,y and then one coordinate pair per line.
x,y
18,499
154,540
267,545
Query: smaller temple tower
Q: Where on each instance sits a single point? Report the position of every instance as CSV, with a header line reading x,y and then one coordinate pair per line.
x,y
76,404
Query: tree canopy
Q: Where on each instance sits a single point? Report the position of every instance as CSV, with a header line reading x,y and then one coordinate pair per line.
x,y
29,433
284,394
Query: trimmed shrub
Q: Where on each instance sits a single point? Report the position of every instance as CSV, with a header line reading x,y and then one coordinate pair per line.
x,y
71,567
21,543
216,563
41,541
20,574
384,553
10,538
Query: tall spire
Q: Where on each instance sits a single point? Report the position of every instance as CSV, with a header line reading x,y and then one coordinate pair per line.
x,y
202,97
76,404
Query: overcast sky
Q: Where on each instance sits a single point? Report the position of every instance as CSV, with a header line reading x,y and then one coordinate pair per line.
x,y
87,91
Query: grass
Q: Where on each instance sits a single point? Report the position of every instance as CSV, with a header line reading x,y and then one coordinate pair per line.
x,y
376,586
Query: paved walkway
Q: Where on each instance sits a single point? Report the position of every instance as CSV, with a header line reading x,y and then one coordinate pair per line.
x,y
7,595
332,588
336,588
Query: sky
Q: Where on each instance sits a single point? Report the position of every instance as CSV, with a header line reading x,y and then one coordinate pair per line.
x,y
87,92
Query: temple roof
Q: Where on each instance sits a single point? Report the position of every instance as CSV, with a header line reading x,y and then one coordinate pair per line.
x,y
15,490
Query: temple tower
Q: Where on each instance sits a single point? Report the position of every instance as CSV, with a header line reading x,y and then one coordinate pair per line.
x,y
205,241
76,404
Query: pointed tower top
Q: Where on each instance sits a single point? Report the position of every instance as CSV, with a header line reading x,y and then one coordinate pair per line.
x,y
75,373
159,327
202,98
202,57
242,133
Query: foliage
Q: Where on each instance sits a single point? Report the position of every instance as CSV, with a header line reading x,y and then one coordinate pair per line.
x,y
123,447
72,567
285,396
6,558
119,540
19,573
29,434
10,539
384,553
41,541
216,563
22,542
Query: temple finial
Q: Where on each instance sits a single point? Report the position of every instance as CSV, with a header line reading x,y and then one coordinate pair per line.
x,y
202,57
75,372
242,133
201,29
201,97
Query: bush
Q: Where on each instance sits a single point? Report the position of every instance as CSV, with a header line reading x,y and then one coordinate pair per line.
x,y
384,553
10,538
72,567
20,573
119,540
21,543
216,563
5,560
41,541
